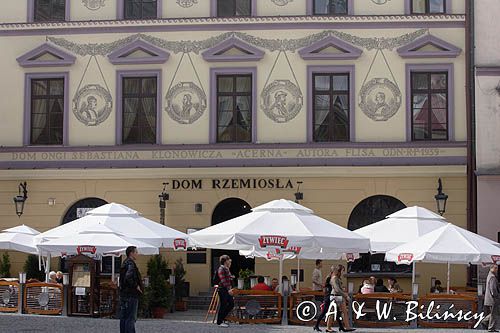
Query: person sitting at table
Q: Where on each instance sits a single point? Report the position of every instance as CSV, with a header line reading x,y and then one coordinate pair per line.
x,y
437,289
59,277
261,285
52,277
394,286
379,287
275,284
367,288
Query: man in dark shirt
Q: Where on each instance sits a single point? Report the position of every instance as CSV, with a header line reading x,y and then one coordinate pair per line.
x,y
226,301
130,290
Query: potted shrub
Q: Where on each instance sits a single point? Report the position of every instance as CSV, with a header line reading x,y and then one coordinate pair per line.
x,y
181,286
32,269
245,274
158,295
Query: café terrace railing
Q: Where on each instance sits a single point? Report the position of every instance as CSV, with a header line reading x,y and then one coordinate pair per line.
x,y
256,307
10,296
44,298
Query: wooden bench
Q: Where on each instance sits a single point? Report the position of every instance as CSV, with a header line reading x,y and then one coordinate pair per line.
x,y
10,296
460,301
43,298
269,302
296,298
397,302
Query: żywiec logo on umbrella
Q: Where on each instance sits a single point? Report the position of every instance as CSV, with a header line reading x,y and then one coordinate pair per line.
x,y
180,244
405,257
273,240
86,249
495,259
349,257
293,249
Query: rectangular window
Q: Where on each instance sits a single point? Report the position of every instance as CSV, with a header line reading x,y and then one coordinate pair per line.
x,y
429,111
140,9
234,108
139,108
49,10
47,111
231,8
331,107
428,6
330,7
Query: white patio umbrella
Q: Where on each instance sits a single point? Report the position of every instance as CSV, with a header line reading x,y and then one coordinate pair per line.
x,y
401,227
280,224
448,244
125,221
20,238
97,240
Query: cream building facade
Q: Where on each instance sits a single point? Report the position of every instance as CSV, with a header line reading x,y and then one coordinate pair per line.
x,y
359,105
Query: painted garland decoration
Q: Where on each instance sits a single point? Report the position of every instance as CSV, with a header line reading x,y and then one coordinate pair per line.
x,y
94,4
380,99
187,3
281,2
281,100
186,102
92,104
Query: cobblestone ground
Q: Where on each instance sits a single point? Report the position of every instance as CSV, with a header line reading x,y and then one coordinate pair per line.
x,y
175,324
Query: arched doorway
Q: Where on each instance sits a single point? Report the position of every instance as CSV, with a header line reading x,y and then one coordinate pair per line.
x,y
77,210
225,210
366,212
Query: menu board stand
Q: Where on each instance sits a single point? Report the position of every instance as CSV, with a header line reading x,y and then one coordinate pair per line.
x,y
84,287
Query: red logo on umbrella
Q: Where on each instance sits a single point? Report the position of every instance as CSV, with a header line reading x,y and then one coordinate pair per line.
x,y
180,243
293,249
405,257
270,240
349,257
86,249
495,259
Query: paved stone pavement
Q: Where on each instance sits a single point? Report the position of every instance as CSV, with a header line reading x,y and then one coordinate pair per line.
x,y
175,324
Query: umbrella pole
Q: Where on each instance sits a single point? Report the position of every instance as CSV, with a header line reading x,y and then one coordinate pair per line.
x,y
298,273
112,269
448,280
47,269
413,273
280,278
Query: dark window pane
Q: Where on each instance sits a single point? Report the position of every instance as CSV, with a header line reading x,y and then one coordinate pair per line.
x,y
330,7
47,111
225,83
439,81
436,6
244,84
49,10
331,107
139,110
234,108
230,8
243,8
419,6
429,106
419,81
322,82
140,9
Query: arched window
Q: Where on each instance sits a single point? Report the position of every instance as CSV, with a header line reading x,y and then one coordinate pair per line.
x,y
368,211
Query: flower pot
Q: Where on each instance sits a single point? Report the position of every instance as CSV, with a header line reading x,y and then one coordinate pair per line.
x,y
158,312
180,306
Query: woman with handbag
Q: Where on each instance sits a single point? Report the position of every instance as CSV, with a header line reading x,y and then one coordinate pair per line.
x,y
341,298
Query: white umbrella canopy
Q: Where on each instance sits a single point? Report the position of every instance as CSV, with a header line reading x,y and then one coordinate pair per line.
x,y
22,229
97,240
125,221
20,238
401,227
279,224
448,244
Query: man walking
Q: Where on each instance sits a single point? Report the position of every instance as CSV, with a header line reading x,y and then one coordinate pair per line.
x,y
226,301
130,290
317,276
491,299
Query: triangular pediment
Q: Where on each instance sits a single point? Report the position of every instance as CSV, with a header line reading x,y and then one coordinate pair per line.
x,y
330,48
429,46
138,52
46,55
233,49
